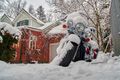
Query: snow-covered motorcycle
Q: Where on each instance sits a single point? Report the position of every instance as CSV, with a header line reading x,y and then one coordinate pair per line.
x,y
77,44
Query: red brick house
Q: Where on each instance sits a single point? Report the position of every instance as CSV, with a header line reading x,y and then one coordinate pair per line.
x,y
32,46
35,45
38,41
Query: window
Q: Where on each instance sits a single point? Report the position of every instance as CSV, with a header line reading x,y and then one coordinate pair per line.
x,y
32,42
22,23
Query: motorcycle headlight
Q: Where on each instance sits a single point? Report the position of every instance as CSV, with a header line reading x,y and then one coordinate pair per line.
x,y
70,23
80,27
87,34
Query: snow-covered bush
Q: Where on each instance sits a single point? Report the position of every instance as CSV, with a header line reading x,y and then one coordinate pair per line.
x,y
8,36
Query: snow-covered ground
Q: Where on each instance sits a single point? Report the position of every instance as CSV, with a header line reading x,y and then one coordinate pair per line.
x,y
104,68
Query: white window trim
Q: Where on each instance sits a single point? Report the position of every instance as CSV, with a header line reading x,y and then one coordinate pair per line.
x,y
33,41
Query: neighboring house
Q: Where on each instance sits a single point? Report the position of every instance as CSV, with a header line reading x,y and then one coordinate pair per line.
x,y
26,19
6,19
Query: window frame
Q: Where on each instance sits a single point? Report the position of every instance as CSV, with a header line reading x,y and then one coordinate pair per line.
x,y
32,42
23,23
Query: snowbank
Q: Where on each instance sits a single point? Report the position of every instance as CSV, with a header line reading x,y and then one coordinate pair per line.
x,y
108,69
5,27
58,29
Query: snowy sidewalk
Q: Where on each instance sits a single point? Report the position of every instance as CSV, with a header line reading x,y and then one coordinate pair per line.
x,y
108,68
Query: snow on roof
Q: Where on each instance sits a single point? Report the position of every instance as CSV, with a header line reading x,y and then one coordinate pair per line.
x,y
58,29
1,14
42,28
10,29
35,29
23,10
10,18
46,25
31,28
39,21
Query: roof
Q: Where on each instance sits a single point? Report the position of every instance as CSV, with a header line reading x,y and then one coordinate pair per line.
x,y
24,11
4,15
1,14
48,26
58,29
31,28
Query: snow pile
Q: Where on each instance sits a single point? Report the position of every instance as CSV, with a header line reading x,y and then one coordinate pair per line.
x,y
103,58
5,27
61,54
81,70
47,25
3,65
74,38
58,29
64,47
39,21
77,17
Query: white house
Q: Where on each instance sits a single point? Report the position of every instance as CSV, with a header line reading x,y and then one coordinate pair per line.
x,y
26,19
6,19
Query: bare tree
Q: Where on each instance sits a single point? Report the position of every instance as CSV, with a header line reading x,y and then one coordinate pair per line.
x,y
97,13
18,6
13,8
67,6
3,4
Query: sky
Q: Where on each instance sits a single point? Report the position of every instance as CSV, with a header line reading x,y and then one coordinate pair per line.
x,y
37,3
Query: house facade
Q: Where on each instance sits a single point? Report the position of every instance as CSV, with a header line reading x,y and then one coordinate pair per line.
x,y
32,46
26,19
36,44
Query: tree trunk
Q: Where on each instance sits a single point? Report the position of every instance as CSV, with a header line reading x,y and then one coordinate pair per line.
x,y
115,23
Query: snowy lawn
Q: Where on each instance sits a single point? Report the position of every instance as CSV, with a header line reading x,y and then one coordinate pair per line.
x,y
104,68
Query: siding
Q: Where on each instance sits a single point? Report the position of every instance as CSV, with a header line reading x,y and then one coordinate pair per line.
x,y
35,24
23,17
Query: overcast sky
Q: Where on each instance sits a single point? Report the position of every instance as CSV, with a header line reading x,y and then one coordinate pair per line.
x,y
37,3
